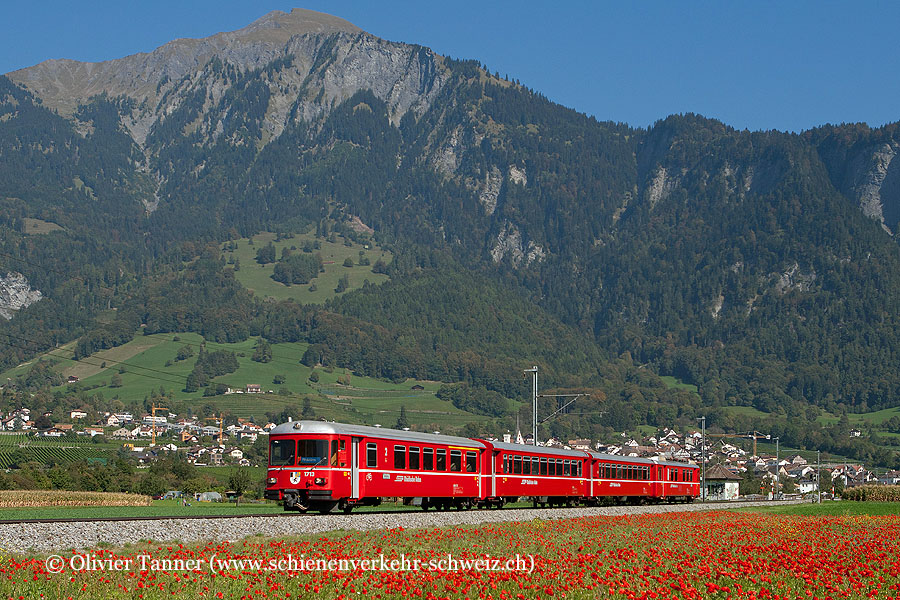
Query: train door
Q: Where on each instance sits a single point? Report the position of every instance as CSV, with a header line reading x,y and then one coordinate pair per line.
x,y
590,470
354,468
494,460
660,481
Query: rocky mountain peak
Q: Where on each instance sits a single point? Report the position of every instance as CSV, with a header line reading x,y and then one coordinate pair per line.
x,y
63,84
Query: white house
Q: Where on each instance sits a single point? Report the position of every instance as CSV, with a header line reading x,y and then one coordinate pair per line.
x,y
722,484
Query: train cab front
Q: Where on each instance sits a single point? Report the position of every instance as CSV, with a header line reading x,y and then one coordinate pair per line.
x,y
305,471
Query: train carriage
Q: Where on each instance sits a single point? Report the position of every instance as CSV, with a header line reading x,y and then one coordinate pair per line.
x,y
551,476
614,477
676,482
322,466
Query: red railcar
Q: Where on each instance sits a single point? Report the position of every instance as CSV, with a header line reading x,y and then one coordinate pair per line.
x,y
640,479
323,466
551,476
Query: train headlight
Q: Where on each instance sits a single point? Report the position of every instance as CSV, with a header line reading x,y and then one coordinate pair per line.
x,y
272,480
319,481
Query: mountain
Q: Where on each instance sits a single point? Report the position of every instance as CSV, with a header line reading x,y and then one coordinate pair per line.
x,y
759,266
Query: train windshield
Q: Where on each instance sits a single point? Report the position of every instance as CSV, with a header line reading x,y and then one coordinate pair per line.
x,y
283,452
313,452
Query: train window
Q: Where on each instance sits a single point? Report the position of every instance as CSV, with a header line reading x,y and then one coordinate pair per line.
x,y
558,468
283,452
399,457
471,462
543,466
334,453
526,466
578,469
535,465
428,459
455,460
313,452
413,457
517,465
371,456
441,463
507,464
566,468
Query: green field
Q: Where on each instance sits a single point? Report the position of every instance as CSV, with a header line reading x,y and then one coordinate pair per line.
x,y
258,278
673,382
830,508
39,227
52,450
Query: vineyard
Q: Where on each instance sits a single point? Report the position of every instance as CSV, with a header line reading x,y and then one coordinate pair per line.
x,y
19,447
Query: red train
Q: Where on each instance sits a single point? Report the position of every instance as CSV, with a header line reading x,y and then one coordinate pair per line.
x,y
314,465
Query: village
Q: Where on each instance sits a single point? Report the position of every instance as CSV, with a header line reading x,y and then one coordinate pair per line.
x,y
732,471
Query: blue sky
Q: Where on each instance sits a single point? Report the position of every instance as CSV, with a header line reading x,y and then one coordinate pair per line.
x,y
756,65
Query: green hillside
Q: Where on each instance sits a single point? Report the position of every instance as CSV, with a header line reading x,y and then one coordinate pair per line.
x,y
152,371
258,277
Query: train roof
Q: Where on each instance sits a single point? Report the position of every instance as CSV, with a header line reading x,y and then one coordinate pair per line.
x,y
540,449
326,428
641,461
619,458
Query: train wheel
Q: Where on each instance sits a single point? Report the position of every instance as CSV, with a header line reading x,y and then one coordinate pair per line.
x,y
347,509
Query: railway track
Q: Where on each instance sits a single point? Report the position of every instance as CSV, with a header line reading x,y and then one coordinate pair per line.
x,y
550,512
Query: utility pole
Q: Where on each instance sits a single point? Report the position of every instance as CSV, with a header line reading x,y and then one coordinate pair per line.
x,y
153,409
533,370
777,469
819,476
703,458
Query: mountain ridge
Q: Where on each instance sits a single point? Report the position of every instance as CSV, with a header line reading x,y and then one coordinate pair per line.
x,y
63,83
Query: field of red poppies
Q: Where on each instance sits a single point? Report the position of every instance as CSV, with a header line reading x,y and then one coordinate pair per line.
x,y
679,555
